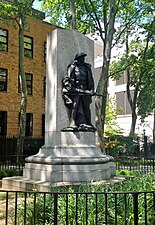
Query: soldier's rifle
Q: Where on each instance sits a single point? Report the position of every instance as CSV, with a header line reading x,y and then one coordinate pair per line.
x,y
82,92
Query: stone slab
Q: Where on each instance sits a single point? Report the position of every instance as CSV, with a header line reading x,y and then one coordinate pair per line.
x,y
68,173
21,184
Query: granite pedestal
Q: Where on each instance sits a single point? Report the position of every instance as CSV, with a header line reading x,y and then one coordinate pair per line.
x,y
77,159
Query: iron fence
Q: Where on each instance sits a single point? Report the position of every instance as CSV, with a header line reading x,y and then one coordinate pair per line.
x,y
39,208
131,163
140,164
8,145
12,162
8,151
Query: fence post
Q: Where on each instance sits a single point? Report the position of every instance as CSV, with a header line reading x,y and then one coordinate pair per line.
x,y
145,146
135,202
55,208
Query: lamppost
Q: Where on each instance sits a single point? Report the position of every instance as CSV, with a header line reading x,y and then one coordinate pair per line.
x,y
145,144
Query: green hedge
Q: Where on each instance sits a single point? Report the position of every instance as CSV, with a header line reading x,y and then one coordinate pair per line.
x,y
10,173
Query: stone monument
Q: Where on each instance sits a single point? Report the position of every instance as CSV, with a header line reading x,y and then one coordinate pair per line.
x,y
68,156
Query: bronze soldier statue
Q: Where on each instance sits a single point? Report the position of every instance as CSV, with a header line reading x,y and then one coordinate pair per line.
x,y
77,91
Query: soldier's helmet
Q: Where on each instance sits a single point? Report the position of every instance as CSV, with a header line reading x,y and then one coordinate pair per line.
x,y
78,55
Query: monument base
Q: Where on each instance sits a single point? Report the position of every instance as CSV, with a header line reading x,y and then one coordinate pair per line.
x,y
19,183
78,159
73,168
73,162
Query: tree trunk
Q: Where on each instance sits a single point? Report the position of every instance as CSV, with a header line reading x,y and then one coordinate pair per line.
x,y
23,88
101,104
103,81
133,123
132,101
72,14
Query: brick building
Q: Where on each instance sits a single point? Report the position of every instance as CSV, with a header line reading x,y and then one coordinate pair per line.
x,y
35,66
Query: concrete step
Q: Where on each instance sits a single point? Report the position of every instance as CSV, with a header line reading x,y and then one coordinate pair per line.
x,y
18,183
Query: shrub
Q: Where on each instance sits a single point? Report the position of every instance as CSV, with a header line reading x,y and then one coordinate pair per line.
x,y
10,173
128,173
77,205
119,145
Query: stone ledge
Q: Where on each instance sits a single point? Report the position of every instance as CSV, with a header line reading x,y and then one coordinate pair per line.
x,y
23,184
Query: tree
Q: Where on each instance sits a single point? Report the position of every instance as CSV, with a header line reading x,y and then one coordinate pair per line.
x,y
111,126
146,98
89,16
137,62
72,14
17,10
97,16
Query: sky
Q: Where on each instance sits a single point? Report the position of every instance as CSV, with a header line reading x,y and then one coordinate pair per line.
x,y
36,5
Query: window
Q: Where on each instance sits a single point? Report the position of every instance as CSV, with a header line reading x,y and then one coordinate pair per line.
x,y
122,80
28,47
3,79
29,83
122,102
3,40
3,123
29,124
28,77
45,49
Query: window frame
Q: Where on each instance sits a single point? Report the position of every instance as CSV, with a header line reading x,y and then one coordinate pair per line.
x,y
120,102
122,79
5,44
4,83
3,132
27,85
31,83
124,105
29,124
27,49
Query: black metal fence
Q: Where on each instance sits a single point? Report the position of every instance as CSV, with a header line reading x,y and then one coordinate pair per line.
x,y
140,164
12,162
36,208
8,145
131,163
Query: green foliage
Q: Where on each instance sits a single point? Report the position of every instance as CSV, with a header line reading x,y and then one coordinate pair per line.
x,y
111,127
128,173
88,201
140,63
119,144
138,39
146,99
10,173
38,214
112,21
59,13
12,8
